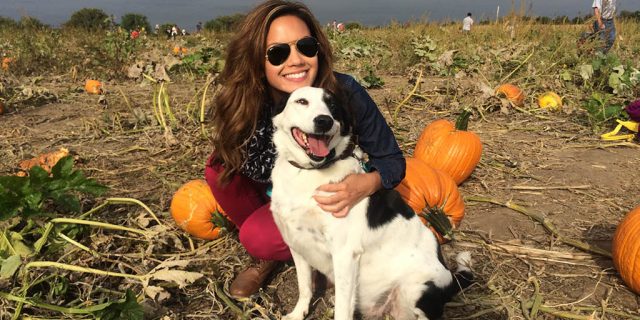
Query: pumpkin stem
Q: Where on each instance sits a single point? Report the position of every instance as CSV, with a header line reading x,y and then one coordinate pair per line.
x,y
439,221
463,120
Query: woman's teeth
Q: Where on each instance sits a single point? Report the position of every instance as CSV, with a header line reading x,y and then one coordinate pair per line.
x,y
296,75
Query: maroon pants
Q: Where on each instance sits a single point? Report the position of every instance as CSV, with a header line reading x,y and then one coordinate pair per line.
x,y
247,205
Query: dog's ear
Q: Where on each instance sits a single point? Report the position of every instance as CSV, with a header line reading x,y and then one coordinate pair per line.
x,y
279,107
339,110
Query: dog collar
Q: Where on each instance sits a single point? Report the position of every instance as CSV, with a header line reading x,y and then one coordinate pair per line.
x,y
348,152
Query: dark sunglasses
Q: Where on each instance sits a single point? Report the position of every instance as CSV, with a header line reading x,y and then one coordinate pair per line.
x,y
278,53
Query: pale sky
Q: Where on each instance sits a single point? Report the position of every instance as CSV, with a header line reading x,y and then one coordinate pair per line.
x,y
187,13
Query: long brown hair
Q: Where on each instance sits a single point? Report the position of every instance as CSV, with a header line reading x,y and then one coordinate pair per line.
x,y
245,89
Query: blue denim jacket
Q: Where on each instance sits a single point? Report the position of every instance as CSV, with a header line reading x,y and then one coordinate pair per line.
x,y
374,135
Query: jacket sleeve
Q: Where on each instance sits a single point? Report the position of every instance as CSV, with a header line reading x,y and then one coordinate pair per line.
x,y
374,134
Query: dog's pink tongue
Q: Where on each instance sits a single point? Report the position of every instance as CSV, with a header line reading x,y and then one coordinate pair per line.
x,y
318,145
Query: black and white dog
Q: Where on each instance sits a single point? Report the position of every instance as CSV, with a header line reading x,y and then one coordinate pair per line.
x,y
380,257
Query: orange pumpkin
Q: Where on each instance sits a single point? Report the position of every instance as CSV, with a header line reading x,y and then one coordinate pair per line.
x,y
626,249
5,63
176,50
450,148
93,86
425,188
197,212
512,93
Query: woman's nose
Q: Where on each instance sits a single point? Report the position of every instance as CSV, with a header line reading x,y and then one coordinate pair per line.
x,y
295,58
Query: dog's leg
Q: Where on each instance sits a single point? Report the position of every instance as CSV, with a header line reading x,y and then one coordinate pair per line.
x,y
303,274
345,268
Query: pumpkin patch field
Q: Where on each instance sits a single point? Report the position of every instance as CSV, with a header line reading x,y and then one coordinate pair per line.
x,y
506,134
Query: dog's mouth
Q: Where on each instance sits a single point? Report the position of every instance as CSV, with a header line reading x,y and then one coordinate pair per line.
x,y
315,145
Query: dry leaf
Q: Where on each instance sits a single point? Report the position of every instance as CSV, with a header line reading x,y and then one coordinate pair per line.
x,y
181,278
45,160
158,294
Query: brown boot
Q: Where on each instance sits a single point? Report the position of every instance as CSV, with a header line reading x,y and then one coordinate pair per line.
x,y
251,280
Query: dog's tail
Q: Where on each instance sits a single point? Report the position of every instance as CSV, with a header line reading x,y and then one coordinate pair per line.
x,y
463,275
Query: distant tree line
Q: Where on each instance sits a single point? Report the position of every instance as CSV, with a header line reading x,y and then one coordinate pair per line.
x,y
92,19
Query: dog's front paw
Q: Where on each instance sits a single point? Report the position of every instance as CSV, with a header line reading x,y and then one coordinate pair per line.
x,y
298,313
294,316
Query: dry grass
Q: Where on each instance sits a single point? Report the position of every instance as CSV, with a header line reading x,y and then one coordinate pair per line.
x,y
541,206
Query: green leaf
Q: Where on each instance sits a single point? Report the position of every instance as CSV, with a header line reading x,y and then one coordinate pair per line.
x,y
67,201
9,266
596,64
129,309
63,167
92,187
10,203
615,82
20,247
26,196
38,176
586,71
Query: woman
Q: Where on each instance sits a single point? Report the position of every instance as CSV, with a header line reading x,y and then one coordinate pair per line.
x,y
280,47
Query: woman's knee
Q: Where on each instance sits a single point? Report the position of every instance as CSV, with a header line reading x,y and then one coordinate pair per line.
x,y
263,241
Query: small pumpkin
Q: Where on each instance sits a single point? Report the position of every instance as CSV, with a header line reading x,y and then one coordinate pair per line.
x,y
512,93
425,188
197,212
6,61
176,50
450,147
93,86
550,100
625,249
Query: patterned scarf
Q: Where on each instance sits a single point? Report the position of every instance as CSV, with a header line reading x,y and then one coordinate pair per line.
x,y
260,153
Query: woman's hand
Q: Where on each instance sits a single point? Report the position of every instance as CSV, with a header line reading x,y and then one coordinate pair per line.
x,y
348,192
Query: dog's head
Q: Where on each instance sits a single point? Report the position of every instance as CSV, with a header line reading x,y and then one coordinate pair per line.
x,y
312,128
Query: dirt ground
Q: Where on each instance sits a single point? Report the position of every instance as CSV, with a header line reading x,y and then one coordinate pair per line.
x,y
549,163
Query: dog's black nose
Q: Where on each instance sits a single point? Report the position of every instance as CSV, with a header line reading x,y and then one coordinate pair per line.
x,y
323,123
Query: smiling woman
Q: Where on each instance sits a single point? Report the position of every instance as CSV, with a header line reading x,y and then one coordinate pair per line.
x,y
279,48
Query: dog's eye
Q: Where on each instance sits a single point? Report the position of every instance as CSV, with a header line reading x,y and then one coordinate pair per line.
x,y
302,101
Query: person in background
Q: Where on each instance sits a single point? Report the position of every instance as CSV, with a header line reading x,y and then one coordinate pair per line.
x,y
280,47
604,11
199,26
174,32
467,22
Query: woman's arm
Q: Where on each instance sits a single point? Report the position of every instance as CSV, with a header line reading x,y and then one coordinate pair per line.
x,y
386,161
348,192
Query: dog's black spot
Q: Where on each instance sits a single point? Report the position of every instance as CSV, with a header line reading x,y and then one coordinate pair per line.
x,y
384,206
434,298
339,111
432,301
277,108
